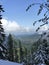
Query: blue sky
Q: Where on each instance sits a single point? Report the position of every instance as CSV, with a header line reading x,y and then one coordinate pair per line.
x,y
15,10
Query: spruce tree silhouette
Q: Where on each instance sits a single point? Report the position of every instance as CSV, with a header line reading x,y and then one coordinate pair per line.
x,y
2,37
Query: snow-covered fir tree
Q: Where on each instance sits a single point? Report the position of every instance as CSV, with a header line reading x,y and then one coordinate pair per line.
x,y
41,56
3,50
2,34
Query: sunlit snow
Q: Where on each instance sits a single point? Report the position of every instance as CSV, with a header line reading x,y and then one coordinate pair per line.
x,y
4,62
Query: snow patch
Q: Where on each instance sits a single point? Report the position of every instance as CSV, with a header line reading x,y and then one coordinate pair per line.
x,y
4,62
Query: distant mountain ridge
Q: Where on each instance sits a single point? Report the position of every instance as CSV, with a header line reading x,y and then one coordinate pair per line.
x,y
27,39
29,36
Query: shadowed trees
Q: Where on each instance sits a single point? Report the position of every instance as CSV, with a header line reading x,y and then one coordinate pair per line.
x,y
3,50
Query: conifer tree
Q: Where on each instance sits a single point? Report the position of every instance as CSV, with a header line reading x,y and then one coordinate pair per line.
x,y
41,56
16,51
2,34
25,56
10,48
3,50
16,55
21,52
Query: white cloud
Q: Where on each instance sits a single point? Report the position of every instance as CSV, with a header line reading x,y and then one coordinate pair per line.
x,y
14,27
43,28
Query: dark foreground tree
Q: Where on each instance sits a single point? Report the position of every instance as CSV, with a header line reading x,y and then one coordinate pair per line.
x,y
45,19
3,50
2,34
41,56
